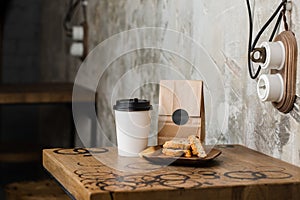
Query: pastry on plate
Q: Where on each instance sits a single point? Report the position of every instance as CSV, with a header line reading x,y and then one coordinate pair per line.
x,y
197,148
177,152
186,147
180,143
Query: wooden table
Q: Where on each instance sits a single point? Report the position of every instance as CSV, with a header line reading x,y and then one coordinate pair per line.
x,y
238,173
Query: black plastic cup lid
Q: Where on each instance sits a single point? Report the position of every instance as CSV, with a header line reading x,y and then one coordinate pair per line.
x,y
133,105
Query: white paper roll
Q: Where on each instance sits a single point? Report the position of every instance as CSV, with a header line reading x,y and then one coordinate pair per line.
x,y
275,55
76,49
77,33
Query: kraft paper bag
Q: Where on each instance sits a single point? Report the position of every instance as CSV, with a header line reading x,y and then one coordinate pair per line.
x,y
181,110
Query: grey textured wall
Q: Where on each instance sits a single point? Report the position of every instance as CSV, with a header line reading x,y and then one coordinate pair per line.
x,y
55,63
221,27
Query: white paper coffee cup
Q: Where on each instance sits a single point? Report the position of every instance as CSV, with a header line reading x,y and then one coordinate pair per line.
x,y
132,125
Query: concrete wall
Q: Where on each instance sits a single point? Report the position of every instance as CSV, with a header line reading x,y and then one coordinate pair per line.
x,y
55,63
222,29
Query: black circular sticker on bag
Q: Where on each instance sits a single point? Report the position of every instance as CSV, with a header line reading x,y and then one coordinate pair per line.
x,y
180,117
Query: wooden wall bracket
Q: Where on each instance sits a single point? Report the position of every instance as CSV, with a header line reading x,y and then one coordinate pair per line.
x,y
85,40
288,72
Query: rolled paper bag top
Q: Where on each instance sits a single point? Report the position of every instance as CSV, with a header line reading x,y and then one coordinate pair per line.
x,y
130,105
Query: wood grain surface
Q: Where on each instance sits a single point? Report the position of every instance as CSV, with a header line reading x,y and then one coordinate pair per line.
x,y
239,173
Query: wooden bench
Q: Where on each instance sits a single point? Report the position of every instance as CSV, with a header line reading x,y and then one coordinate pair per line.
x,y
35,190
40,93
19,152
